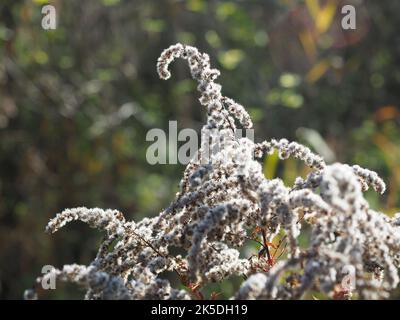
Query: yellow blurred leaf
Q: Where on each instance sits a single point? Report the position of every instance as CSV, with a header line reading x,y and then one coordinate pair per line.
x,y
391,155
40,57
196,5
290,171
231,58
387,113
213,38
308,44
40,2
270,165
313,8
325,17
225,9
318,70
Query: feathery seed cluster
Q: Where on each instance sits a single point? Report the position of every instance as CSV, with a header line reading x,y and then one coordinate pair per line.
x,y
224,201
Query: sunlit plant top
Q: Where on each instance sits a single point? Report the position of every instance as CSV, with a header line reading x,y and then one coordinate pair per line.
x,y
224,202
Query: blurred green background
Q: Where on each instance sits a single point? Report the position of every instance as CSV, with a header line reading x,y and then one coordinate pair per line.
x,y
76,104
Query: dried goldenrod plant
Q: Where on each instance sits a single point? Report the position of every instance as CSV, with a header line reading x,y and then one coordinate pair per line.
x,y
224,201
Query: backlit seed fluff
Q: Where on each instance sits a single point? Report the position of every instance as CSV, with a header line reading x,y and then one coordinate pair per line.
x,y
224,203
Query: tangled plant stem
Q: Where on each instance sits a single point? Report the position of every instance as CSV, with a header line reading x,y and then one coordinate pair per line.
x,y
225,200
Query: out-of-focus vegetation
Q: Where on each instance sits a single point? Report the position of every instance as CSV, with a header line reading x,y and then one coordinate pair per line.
x,y
76,104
